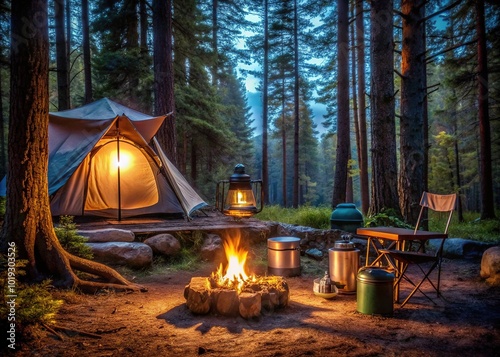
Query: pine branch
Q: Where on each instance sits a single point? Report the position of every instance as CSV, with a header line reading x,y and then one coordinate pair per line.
x,y
428,59
444,9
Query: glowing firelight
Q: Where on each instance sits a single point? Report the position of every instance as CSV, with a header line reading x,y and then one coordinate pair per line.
x,y
234,275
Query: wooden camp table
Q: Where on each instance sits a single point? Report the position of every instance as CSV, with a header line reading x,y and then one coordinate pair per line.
x,y
392,238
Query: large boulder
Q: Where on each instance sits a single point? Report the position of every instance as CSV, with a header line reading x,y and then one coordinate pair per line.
x,y
107,235
132,254
460,248
490,266
212,249
164,244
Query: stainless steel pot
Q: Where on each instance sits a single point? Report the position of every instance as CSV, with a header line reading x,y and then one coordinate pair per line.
x,y
283,256
343,260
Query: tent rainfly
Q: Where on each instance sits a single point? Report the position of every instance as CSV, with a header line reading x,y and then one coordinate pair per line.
x,y
100,164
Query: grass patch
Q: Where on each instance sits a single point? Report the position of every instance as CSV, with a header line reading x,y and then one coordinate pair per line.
x,y
472,228
315,217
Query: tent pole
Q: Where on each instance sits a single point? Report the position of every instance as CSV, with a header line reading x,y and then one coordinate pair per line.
x,y
118,168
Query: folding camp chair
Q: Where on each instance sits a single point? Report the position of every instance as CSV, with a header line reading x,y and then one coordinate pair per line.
x,y
425,262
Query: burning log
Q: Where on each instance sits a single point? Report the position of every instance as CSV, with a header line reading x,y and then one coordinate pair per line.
x,y
265,294
231,291
198,296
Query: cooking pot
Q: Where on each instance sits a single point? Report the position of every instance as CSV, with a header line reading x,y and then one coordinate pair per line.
x,y
283,256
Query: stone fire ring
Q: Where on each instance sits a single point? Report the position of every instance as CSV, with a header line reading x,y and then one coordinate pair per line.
x,y
254,300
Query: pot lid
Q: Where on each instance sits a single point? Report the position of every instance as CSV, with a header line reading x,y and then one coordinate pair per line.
x,y
344,245
375,274
346,212
283,242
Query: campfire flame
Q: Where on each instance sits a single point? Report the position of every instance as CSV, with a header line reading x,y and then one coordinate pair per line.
x,y
234,275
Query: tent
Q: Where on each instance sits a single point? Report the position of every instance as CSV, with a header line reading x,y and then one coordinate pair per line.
x,y
100,164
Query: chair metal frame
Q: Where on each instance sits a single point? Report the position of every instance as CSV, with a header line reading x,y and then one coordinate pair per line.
x,y
434,202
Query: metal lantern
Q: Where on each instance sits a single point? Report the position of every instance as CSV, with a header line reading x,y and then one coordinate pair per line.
x,y
239,201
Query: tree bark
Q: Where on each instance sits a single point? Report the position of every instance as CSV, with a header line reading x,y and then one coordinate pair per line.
x,y
87,68
164,76
363,142
28,221
63,99
384,167
265,119
412,150
296,105
343,139
486,175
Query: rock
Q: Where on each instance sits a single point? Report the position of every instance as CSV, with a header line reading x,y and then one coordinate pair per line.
x,y
107,235
164,244
132,254
321,239
255,235
314,253
197,295
460,248
490,266
212,249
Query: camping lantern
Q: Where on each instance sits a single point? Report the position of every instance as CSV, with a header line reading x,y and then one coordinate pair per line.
x,y
240,198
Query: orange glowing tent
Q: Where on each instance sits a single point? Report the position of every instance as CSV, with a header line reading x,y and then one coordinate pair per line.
x,y
101,164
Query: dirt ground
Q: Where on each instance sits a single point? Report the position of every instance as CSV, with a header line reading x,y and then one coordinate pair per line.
x,y
157,323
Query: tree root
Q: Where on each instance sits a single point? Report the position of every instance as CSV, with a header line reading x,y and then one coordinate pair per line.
x,y
114,280
77,332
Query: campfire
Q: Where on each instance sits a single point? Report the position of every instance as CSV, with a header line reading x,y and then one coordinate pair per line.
x,y
231,290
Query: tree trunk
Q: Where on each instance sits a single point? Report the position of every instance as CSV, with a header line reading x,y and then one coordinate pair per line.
x,y
384,167
28,221
460,212
486,175
215,44
87,68
350,181
343,142
3,163
283,148
62,57
412,155
144,23
164,76
363,145
296,106
265,88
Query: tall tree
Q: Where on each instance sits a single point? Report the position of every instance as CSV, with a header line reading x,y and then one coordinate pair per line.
x,y
164,75
62,54
282,79
87,68
28,221
343,138
363,141
4,64
384,166
265,119
486,177
412,155
296,106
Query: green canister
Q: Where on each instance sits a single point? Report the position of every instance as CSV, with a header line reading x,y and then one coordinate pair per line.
x,y
375,291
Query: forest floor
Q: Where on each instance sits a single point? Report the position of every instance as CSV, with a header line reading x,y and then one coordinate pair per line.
x,y
157,323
